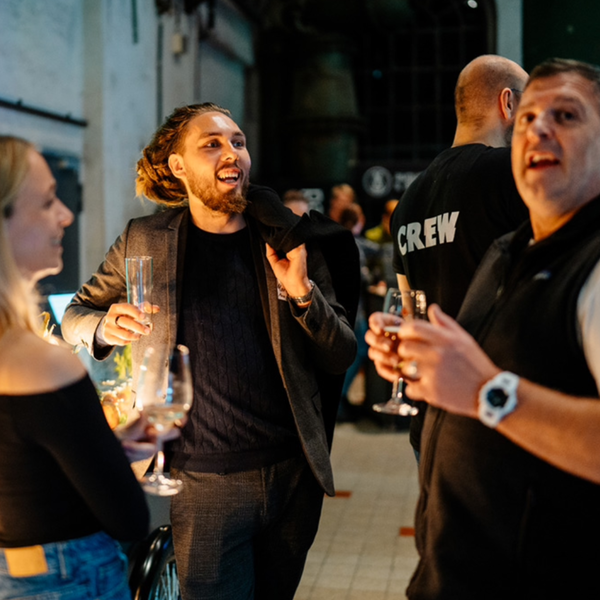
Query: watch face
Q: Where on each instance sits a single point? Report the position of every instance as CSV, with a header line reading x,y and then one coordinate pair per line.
x,y
497,397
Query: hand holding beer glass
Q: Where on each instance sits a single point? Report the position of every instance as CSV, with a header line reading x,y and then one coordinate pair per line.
x,y
405,305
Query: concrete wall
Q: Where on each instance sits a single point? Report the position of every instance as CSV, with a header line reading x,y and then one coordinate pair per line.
x,y
509,29
41,44
226,70
119,103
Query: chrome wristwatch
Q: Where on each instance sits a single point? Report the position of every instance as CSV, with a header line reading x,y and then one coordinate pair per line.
x,y
498,398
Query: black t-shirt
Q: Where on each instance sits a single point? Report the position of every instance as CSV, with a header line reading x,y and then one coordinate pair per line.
x,y
63,473
447,219
449,216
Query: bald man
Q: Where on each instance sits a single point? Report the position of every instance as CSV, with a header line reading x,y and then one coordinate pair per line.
x,y
466,198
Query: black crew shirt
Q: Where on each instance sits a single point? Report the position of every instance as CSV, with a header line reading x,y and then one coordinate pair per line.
x,y
446,221
448,218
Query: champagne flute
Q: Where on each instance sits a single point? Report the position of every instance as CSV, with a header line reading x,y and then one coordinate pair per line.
x,y
139,276
408,305
164,395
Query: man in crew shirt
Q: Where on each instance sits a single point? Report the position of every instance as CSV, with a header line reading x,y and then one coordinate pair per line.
x,y
466,198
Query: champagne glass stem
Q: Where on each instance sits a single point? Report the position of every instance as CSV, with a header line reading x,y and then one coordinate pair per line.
x,y
159,461
397,390
397,397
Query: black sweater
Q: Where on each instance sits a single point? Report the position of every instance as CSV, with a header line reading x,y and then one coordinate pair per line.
x,y
241,417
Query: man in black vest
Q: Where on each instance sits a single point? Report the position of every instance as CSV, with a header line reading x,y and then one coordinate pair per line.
x,y
510,469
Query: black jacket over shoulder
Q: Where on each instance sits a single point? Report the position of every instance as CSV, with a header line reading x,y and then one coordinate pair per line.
x,y
493,520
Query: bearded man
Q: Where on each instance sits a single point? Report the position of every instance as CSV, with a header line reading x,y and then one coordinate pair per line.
x,y
256,294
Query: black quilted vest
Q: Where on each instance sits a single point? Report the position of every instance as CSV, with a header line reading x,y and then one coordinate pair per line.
x,y
494,521
522,306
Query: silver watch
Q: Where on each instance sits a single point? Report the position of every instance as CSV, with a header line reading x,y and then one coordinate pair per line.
x,y
498,398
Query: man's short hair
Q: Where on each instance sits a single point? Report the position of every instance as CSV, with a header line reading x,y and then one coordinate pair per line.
x,y
479,84
343,189
557,66
294,196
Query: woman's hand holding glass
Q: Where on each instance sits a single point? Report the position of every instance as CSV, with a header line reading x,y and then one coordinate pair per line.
x,y
164,396
139,438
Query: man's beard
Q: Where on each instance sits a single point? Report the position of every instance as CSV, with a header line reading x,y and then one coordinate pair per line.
x,y
228,203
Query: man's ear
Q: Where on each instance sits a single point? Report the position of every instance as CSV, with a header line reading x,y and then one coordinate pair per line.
x,y
177,167
508,104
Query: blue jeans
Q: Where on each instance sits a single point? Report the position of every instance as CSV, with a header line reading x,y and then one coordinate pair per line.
x,y
92,567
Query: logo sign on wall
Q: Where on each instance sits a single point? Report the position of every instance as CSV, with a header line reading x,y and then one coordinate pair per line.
x,y
379,182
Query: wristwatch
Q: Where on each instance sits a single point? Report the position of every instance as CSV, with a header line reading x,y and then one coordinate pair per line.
x,y
498,398
300,300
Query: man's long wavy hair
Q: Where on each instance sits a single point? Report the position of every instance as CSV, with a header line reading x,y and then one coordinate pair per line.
x,y
154,177
19,304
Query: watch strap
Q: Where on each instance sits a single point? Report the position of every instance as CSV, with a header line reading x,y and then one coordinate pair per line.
x,y
300,300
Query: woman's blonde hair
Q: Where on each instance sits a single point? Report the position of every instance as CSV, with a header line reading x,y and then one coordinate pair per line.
x,y
19,304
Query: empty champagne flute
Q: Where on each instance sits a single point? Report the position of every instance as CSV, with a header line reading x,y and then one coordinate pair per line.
x,y
164,394
407,305
139,276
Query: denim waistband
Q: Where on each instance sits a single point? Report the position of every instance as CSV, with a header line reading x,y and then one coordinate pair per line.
x,y
63,557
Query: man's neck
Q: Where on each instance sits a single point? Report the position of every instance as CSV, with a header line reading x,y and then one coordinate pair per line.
x,y
215,222
491,136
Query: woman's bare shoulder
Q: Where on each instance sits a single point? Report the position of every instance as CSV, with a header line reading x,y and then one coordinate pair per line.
x,y
31,365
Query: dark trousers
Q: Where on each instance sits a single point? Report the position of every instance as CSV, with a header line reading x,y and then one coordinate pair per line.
x,y
245,536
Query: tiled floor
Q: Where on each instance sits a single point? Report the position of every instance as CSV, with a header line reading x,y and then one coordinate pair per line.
x,y
364,548
359,553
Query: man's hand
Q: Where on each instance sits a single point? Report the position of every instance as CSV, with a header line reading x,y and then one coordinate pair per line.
x,y
122,324
291,271
382,350
451,366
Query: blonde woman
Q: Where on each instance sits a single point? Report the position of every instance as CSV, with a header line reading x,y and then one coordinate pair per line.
x,y
66,488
